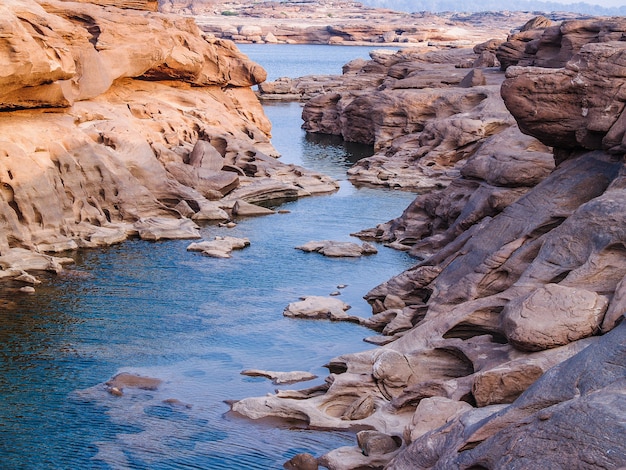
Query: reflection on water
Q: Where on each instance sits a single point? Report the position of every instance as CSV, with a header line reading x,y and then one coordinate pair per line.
x,y
194,322
345,154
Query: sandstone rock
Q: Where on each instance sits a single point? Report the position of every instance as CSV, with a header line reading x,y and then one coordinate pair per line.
x,y
473,78
280,377
21,260
360,409
504,225
336,249
512,52
552,316
338,22
577,112
220,247
147,5
85,65
393,301
206,156
506,382
542,43
317,307
121,159
432,413
376,443
346,458
553,416
617,308
159,228
27,279
301,462
242,208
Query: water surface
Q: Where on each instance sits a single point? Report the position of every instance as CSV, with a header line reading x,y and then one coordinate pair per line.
x,y
297,60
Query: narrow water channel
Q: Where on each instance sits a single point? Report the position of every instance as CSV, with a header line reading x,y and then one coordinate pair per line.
x,y
194,322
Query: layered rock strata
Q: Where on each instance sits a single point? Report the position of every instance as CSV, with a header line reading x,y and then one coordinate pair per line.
x,y
511,351
427,116
118,123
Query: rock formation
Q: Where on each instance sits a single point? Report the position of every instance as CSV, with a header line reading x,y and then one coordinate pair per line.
x,y
509,349
220,247
337,22
119,123
335,249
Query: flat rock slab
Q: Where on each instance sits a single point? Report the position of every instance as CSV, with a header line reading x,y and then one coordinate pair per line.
x,y
318,307
338,249
280,377
242,208
220,247
18,260
161,228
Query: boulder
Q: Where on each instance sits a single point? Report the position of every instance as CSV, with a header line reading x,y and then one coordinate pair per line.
x,y
302,461
551,316
377,443
242,208
317,307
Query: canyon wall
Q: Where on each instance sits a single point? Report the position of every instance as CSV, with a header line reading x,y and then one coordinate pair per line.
x,y
504,346
119,122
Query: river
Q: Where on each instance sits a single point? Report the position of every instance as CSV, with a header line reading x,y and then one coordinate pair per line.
x,y
194,322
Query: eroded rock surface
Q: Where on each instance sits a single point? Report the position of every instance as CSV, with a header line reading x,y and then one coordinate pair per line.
x,y
509,334
118,123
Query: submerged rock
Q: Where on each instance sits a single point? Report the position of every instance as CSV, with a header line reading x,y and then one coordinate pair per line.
x,y
279,378
117,384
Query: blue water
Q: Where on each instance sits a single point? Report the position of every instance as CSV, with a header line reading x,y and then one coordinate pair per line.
x,y
297,60
157,310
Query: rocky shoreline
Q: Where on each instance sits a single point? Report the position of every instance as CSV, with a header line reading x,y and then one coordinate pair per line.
x,y
503,347
506,341
118,123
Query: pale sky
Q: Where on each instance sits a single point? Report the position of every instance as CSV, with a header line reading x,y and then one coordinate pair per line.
x,y
604,3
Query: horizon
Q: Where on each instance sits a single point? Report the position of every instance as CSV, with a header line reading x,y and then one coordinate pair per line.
x,y
601,3
580,6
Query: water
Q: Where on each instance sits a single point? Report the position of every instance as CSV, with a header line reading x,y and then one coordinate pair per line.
x,y
194,322
297,60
